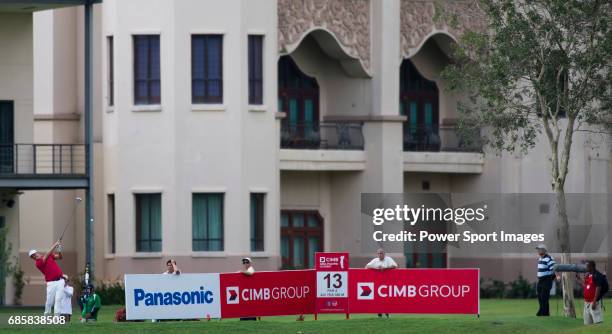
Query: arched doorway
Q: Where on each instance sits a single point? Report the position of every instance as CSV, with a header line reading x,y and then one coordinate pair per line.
x,y
419,102
298,97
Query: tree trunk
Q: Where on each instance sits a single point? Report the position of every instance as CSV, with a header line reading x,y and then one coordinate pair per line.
x,y
569,309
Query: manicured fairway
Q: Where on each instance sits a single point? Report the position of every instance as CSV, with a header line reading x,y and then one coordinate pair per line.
x,y
498,316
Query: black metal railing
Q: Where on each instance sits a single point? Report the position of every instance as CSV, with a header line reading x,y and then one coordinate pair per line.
x,y
327,135
42,160
439,138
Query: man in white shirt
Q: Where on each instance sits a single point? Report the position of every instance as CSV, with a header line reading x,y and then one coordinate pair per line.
x,y
247,266
171,268
381,262
247,270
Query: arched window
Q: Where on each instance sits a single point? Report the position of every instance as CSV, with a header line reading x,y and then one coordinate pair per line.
x,y
419,102
298,97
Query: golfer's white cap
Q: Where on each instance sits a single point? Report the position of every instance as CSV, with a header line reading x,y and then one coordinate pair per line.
x,y
32,252
541,246
247,259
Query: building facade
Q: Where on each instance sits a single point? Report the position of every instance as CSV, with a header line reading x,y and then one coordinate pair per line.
x,y
225,129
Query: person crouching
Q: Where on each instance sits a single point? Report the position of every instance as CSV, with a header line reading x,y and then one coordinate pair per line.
x,y
90,304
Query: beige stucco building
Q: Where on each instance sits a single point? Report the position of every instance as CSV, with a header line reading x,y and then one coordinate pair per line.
x,y
225,129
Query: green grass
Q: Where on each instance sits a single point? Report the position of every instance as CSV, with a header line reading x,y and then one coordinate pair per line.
x,y
498,316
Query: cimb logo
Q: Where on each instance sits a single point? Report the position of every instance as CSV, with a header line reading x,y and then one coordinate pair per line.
x,y
232,295
365,290
327,261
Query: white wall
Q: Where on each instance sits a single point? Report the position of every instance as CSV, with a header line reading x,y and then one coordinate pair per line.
x,y
16,85
16,71
179,148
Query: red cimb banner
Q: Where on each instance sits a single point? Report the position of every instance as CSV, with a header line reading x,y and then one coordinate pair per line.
x,y
267,293
332,282
424,291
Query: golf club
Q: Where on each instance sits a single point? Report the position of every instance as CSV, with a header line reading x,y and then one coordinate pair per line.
x,y
69,222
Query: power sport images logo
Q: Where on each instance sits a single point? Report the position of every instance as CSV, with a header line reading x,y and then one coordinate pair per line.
x,y
369,291
234,294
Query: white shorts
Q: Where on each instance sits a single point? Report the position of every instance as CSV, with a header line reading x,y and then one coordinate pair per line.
x,y
592,316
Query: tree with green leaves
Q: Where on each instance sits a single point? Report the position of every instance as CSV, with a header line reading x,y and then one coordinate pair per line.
x,y
541,69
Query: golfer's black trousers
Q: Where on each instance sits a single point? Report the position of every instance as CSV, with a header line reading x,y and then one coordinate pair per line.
x,y
543,288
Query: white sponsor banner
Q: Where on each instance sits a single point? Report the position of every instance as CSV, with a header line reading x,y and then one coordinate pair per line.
x,y
185,296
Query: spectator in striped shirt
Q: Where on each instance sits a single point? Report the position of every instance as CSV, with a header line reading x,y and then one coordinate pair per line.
x,y
546,275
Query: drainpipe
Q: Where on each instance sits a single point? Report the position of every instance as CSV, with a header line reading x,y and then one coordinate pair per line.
x,y
88,111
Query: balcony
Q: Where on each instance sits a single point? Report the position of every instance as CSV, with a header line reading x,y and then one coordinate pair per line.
x,y
441,149
322,136
43,166
327,146
439,138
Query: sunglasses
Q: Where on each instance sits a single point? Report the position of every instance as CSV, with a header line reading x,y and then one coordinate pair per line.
x,y
245,262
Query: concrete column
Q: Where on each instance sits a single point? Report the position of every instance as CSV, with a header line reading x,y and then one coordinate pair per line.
x,y
382,134
383,130
386,56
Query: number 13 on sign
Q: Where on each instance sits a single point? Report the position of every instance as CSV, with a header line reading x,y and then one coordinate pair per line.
x,y
332,284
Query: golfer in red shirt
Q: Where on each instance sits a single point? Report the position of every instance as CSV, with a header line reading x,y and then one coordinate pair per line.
x,y
53,276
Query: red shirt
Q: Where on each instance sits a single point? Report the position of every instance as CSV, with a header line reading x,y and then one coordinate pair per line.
x,y
589,288
49,268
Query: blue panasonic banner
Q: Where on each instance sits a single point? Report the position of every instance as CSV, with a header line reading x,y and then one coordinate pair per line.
x,y
185,296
